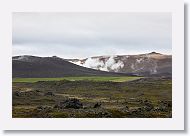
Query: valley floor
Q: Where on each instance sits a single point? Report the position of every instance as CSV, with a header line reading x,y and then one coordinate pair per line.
x,y
70,97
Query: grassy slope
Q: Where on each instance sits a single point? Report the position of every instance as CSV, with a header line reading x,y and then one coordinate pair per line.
x,y
93,78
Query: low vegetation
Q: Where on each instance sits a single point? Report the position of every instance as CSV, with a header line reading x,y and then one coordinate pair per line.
x,y
91,78
92,97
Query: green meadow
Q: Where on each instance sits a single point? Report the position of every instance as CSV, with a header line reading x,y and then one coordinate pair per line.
x,y
90,78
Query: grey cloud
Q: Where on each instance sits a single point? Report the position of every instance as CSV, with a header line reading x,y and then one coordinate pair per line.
x,y
84,34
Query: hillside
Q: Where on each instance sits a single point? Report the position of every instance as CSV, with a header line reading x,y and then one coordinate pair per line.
x,y
142,64
46,67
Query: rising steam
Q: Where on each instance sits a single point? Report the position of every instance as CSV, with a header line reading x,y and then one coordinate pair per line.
x,y
108,65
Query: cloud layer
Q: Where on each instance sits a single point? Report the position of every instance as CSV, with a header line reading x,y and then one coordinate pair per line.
x,y
81,35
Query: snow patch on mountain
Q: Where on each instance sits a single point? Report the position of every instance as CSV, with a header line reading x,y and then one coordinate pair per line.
x,y
77,62
139,60
21,58
132,66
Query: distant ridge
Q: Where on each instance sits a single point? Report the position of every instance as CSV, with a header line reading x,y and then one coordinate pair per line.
x,y
48,67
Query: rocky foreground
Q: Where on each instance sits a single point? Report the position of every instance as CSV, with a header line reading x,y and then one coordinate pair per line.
x,y
142,98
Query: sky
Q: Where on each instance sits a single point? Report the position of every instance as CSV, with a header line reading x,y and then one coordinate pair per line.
x,y
82,35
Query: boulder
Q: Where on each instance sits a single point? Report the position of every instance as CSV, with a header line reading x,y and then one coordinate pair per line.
x,y
49,94
148,105
103,115
70,103
17,93
97,105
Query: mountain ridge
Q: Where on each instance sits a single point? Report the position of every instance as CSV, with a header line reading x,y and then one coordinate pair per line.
x,y
149,64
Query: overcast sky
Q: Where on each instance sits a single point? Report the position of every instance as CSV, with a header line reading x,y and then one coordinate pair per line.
x,y
81,35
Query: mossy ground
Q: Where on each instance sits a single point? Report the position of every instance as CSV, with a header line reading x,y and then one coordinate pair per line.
x,y
126,99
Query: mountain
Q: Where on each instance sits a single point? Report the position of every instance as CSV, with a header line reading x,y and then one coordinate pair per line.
x,y
42,67
143,64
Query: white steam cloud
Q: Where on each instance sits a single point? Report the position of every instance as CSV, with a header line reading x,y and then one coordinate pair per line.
x,y
93,63
108,65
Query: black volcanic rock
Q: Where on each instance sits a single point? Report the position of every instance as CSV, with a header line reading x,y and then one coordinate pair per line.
x,y
70,103
46,67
